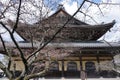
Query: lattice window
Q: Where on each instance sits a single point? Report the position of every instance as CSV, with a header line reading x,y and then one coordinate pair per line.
x,y
54,66
90,66
72,66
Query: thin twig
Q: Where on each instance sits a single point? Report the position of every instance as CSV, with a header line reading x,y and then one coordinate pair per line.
x,y
98,5
89,16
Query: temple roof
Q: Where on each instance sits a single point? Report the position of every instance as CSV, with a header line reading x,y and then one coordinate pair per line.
x,y
87,45
60,16
75,30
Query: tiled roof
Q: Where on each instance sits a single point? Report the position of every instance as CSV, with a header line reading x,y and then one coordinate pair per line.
x,y
74,30
68,45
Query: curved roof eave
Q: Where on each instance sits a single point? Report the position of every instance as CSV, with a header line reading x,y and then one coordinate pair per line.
x,y
108,25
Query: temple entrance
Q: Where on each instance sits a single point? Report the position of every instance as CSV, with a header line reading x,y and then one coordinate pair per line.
x,y
54,71
72,70
90,69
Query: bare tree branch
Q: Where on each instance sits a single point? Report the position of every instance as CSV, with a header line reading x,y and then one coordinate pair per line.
x,y
5,69
17,18
89,16
3,12
3,43
21,53
98,5
109,4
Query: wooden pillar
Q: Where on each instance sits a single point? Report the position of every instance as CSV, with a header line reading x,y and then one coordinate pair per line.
x,y
81,66
14,69
80,57
98,61
62,68
82,73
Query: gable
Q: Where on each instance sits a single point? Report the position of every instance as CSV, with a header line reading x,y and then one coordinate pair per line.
x,y
61,16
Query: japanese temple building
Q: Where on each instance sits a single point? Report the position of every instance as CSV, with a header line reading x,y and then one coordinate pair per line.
x,y
77,38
